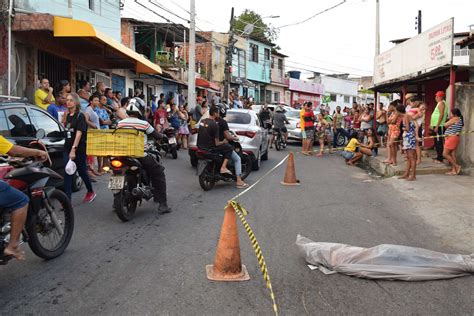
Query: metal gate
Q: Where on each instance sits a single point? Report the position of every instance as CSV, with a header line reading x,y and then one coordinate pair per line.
x,y
53,68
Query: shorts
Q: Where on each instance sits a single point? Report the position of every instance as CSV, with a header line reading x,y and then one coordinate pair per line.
x,y
451,142
319,135
283,129
348,155
382,129
12,199
309,131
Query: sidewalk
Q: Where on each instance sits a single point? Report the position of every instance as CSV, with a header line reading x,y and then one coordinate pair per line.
x,y
427,165
443,202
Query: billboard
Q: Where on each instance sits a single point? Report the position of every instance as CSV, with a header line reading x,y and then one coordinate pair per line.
x,y
428,50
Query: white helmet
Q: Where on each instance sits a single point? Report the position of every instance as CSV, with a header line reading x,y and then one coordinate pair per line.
x,y
136,106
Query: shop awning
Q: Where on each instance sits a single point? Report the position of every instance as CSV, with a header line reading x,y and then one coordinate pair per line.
x,y
203,83
113,50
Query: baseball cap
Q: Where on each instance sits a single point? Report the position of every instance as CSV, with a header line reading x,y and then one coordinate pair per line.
x,y
440,94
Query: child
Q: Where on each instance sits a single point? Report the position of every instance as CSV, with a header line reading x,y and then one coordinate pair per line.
x,y
410,137
350,153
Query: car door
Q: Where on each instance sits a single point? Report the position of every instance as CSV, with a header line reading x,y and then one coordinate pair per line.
x,y
16,125
264,133
54,136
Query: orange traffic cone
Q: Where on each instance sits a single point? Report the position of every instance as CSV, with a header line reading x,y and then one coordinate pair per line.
x,y
227,263
290,173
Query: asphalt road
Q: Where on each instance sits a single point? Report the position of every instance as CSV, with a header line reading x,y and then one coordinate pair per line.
x,y
156,264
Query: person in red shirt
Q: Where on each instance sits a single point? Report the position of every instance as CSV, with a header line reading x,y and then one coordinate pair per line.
x,y
161,116
307,127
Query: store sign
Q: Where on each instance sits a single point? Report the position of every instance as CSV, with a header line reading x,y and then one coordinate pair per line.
x,y
304,86
428,50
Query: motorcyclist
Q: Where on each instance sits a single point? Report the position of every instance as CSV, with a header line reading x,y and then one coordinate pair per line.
x,y
136,112
14,201
208,139
279,119
224,133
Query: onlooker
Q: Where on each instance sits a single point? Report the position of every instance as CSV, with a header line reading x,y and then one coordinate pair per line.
x,y
350,153
161,117
58,108
204,110
44,95
75,146
453,128
92,121
394,125
173,117
307,128
183,131
64,87
100,88
366,119
153,104
371,143
105,122
320,132
409,145
121,113
338,119
438,118
382,126
118,96
356,120
112,104
84,93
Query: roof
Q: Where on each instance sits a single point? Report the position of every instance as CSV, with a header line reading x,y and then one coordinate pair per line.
x,y
401,40
277,53
261,40
466,41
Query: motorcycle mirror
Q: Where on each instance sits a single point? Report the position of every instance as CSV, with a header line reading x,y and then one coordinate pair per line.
x,y
40,134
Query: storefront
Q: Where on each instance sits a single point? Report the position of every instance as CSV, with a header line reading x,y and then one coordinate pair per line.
x,y
303,91
205,88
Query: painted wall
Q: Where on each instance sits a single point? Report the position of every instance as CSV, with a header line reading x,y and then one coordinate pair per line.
x,y
346,91
104,15
258,71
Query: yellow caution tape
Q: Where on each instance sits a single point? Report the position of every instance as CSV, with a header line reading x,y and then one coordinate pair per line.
x,y
242,212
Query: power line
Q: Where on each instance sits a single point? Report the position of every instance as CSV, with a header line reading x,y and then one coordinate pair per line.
x,y
336,65
167,10
313,16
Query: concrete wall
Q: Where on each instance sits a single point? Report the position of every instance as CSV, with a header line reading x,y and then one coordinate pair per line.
x,y
465,102
104,15
258,71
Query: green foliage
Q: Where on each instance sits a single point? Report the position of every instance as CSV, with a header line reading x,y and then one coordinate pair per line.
x,y
261,30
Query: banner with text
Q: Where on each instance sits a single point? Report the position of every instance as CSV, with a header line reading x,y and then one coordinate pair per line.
x,y
426,51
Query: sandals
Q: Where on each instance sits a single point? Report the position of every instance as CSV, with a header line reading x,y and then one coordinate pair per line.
x,y
242,186
226,172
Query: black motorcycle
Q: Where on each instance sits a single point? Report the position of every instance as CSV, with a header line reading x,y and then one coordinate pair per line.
x,y
280,142
130,183
209,165
50,221
168,143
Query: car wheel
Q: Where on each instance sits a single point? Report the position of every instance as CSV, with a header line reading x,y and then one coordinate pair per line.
x,y
257,162
76,182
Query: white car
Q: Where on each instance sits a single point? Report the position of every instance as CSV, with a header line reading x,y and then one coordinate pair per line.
x,y
253,137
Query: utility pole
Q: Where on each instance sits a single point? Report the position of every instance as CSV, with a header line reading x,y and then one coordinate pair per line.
x,y
228,60
192,58
377,28
418,22
10,12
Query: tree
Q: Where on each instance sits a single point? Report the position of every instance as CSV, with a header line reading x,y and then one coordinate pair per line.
x,y
260,31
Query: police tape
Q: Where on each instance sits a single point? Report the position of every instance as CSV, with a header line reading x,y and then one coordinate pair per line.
x,y
330,149
241,212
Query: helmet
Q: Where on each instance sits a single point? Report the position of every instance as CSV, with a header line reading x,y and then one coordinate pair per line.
x,y
136,106
279,109
222,110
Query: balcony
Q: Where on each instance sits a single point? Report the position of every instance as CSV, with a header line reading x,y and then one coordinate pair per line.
x,y
167,60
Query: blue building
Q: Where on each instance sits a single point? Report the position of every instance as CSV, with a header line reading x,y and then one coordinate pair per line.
x,y
258,67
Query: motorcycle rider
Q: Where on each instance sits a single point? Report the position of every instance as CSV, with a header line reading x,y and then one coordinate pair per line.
x,y
208,139
225,134
135,120
279,119
266,116
13,200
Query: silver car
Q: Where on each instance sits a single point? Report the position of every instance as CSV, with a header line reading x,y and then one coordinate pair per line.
x,y
294,128
253,137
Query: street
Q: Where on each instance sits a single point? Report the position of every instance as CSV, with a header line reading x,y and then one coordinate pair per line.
x,y
155,264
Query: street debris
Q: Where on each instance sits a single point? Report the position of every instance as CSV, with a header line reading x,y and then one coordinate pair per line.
x,y
391,262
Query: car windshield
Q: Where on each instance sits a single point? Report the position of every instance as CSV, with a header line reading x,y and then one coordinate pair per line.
x,y
238,118
293,114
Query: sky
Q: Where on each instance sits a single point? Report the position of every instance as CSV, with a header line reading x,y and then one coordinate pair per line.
x,y
341,40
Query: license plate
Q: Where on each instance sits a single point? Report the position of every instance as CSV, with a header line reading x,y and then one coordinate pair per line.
x,y
172,140
201,166
116,182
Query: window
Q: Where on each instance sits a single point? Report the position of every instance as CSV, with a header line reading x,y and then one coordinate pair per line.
x,y
347,99
238,118
217,52
266,54
273,63
254,53
43,121
458,51
333,97
268,96
276,97
91,5
280,63
4,130
19,124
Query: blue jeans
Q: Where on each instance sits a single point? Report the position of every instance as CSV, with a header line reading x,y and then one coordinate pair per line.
x,y
237,163
81,164
337,132
12,199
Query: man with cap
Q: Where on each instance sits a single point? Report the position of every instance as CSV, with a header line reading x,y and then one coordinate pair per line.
x,y
438,118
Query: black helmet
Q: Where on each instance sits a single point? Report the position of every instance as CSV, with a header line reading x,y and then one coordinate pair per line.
x,y
222,110
136,107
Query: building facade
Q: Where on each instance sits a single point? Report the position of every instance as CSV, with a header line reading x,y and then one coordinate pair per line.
x,y
339,92
275,91
258,68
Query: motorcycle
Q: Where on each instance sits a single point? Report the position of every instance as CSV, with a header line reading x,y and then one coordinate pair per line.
x,y
168,143
50,220
209,164
130,183
280,142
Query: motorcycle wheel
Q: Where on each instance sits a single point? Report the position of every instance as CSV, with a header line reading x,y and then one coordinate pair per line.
x,y
205,179
174,152
278,143
44,239
246,166
125,204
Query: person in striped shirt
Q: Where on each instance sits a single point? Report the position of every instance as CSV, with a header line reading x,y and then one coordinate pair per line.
x,y
453,127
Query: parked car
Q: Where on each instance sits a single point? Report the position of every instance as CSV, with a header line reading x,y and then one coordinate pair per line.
x,y
19,123
294,128
253,137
